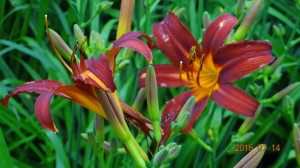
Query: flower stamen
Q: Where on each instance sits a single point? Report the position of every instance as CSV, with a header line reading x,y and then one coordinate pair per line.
x,y
180,76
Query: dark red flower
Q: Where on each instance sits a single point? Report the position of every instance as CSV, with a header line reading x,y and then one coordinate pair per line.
x,y
208,70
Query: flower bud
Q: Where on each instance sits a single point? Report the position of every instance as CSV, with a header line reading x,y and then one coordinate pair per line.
x,y
247,124
139,99
123,65
96,41
278,96
242,139
103,6
252,159
174,152
276,75
178,11
296,135
160,157
274,65
60,45
78,33
152,101
276,30
240,8
206,19
287,110
248,20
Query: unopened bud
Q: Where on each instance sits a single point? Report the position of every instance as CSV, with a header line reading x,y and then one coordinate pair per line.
x,y
178,11
60,45
78,33
140,98
152,101
248,20
123,65
278,96
247,124
96,41
242,139
276,75
240,7
287,110
174,152
184,115
103,6
206,19
160,157
274,65
276,30
296,135
253,158
211,134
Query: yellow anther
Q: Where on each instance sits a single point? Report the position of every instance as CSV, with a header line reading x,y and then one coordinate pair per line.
x,y
192,54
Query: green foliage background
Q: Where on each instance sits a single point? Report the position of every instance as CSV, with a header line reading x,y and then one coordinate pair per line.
x,y
26,55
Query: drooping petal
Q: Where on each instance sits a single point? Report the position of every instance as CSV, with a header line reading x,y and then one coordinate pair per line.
x,y
42,111
98,75
234,99
241,58
130,40
167,75
38,86
175,40
174,106
80,96
217,32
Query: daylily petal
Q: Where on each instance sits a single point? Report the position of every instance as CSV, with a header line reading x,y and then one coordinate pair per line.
x,y
174,106
241,58
129,40
81,97
167,75
98,75
234,99
175,40
217,32
38,86
42,111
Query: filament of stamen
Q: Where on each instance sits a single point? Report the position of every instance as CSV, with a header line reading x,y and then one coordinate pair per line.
x,y
180,76
53,46
73,60
200,69
82,62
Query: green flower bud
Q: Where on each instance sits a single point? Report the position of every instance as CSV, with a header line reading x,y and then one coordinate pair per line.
x,y
278,96
174,152
60,45
178,11
206,20
103,6
240,8
78,33
276,75
139,99
296,135
248,20
252,159
247,124
123,65
242,139
276,30
160,157
152,101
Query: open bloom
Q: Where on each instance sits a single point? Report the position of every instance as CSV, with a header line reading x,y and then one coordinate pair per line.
x,y
89,74
208,70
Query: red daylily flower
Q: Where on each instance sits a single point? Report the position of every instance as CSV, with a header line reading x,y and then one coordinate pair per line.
x,y
209,70
88,74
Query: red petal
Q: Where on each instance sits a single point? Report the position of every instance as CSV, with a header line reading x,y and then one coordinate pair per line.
x,y
37,86
167,75
174,106
98,75
129,40
241,58
42,111
174,40
234,99
217,32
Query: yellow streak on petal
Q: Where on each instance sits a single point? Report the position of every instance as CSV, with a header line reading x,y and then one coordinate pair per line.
x,y
201,93
88,74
